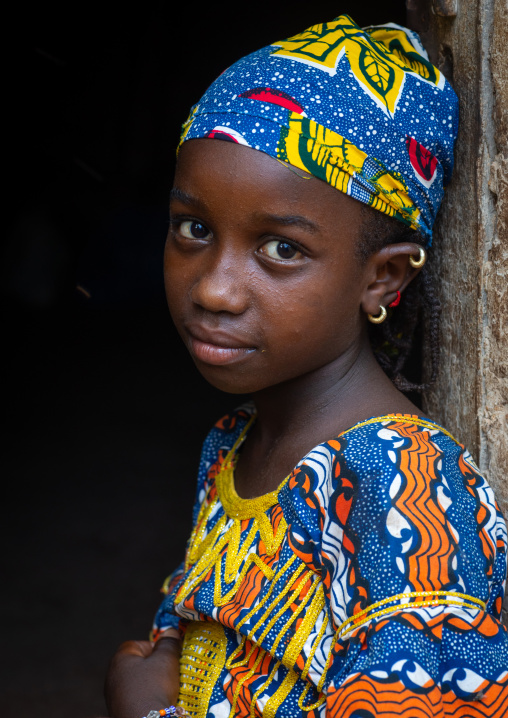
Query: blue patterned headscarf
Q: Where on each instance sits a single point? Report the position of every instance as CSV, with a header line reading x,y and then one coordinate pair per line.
x,y
362,109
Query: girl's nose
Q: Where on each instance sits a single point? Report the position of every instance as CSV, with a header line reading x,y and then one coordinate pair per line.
x,y
223,287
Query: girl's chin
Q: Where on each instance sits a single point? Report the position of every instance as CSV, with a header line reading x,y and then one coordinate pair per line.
x,y
232,379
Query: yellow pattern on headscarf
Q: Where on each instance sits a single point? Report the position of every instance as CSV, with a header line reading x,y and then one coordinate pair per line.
x,y
329,156
187,125
380,67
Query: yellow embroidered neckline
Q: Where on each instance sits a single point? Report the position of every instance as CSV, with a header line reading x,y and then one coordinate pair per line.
x,y
234,506
238,508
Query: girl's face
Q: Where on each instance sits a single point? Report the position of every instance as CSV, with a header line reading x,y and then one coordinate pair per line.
x,y
261,274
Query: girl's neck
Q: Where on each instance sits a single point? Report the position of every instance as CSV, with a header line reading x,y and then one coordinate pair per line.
x,y
295,416
348,390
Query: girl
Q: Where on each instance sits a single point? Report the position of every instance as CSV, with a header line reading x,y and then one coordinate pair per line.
x,y
369,581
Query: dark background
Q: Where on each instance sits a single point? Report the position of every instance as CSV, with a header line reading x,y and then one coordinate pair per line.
x,y
104,413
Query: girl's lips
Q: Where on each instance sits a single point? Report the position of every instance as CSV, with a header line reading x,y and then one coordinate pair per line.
x,y
217,355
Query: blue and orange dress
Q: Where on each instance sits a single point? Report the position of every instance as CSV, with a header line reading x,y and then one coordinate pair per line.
x,y
368,584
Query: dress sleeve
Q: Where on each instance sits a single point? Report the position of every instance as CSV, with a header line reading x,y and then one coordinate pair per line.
x,y
413,558
165,617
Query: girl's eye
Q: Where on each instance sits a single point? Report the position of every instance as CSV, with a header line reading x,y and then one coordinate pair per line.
x,y
193,230
278,249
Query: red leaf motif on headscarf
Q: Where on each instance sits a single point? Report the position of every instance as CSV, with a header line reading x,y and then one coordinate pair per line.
x,y
228,134
423,162
274,97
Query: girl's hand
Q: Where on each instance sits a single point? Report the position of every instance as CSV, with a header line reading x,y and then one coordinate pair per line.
x,y
143,677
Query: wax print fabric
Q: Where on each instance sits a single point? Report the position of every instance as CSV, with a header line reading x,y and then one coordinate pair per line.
x,y
368,584
363,110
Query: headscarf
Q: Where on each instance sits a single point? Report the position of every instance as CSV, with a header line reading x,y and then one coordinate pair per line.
x,y
361,109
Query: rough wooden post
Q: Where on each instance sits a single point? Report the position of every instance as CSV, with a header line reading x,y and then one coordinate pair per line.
x,y
468,41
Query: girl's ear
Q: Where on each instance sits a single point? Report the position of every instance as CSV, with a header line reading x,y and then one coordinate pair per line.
x,y
387,272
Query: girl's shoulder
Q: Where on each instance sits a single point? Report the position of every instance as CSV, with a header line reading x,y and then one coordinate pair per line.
x,y
376,461
390,487
400,440
392,442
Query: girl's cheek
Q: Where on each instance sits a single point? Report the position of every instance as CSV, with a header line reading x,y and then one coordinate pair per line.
x,y
175,294
176,271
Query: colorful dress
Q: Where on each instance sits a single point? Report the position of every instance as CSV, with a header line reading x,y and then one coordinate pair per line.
x,y
368,584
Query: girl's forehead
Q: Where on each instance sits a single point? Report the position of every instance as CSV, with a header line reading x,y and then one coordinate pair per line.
x,y
210,169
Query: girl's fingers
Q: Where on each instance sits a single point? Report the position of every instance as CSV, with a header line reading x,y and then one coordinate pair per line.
x,y
169,642
168,645
142,649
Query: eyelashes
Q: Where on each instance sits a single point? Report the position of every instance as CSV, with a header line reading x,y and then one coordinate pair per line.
x,y
191,229
280,250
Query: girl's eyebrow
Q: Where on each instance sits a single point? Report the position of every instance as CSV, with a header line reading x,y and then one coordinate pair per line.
x,y
291,220
184,197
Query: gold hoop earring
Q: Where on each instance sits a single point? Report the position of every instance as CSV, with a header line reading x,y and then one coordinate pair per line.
x,y
380,317
422,258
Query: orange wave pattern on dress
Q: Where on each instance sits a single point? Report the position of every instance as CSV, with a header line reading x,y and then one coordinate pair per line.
x,y
429,562
365,696
362,695
383,699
